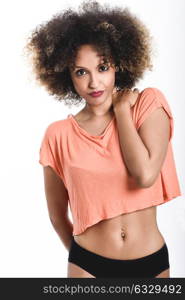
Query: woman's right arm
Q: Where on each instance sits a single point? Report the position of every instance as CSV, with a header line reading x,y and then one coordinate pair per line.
x,y
57,202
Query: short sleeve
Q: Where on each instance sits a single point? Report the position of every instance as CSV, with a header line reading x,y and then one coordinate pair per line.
x,y
50,154
149,100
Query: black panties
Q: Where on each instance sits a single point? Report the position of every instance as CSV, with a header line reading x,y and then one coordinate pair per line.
x,y
102,267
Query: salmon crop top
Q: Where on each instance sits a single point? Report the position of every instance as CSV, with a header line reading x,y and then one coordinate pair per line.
x,y
93,170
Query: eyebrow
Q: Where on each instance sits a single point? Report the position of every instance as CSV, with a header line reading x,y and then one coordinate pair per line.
x,y
87,68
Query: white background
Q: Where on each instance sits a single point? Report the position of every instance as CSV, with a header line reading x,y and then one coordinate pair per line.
x,y
29,245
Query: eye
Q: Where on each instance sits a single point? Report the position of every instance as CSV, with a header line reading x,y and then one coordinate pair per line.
x,y
77,72
80,71
105,66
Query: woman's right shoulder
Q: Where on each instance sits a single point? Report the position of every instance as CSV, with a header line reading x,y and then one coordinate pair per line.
x,y
57,126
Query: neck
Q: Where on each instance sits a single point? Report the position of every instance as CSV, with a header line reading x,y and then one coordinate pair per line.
x,y
97,112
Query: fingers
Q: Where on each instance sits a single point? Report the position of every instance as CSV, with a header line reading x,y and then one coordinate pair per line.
x,y
127,90
114,90
135,90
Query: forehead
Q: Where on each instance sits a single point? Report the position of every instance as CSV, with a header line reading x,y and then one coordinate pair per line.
x,y
86,53
88,56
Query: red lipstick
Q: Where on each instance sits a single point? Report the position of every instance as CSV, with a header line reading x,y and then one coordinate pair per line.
x,y
96,94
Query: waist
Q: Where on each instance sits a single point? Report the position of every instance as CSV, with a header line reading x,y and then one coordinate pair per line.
x,y
124,237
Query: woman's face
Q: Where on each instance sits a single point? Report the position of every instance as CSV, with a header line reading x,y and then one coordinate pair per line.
x,y
91,74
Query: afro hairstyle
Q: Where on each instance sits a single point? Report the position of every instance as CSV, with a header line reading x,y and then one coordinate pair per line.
x,y
116,33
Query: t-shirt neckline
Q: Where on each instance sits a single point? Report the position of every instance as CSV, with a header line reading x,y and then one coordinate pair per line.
x,y
71,117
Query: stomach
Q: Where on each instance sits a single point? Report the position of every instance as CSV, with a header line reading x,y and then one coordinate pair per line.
x,y
126,236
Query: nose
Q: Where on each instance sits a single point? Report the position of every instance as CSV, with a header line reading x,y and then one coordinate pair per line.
x,y
93,82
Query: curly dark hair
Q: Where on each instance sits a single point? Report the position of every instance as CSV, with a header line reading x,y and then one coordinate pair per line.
x,y
116,34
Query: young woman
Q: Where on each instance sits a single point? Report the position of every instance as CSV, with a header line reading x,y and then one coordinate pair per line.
x,y
112,162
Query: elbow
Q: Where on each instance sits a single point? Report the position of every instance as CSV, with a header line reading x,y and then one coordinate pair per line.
x,y
57,221
145,181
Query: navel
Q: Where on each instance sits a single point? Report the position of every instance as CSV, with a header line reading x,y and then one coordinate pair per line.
x,y
123,235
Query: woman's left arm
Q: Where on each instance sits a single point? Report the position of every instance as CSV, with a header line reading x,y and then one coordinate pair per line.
x,y
143,151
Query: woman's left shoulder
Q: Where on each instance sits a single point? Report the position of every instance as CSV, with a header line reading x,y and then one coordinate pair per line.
x,y
152,91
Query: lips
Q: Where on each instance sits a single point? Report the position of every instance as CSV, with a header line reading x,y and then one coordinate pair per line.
x,y
96,94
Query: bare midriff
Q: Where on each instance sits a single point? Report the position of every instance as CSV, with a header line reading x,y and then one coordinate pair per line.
x,y
127,236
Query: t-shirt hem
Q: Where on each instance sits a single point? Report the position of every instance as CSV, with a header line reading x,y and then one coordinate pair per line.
x,y
162,201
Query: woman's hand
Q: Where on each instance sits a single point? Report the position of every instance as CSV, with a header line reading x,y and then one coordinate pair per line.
x,y
124,97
